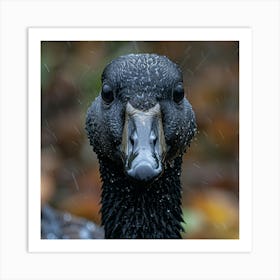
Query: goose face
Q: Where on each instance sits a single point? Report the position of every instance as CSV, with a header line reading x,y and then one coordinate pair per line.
x,y
141,119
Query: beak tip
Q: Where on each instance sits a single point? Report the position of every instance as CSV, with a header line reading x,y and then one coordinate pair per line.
x,y
144,172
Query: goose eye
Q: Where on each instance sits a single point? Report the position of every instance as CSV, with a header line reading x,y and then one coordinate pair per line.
x,y
178,93
107,93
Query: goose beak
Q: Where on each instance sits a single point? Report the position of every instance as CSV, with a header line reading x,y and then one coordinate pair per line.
x,y
143,143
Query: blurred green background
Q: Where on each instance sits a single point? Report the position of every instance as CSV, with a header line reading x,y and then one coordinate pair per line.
x,y
70,80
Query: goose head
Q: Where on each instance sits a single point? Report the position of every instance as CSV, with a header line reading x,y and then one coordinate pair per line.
x,y
141,120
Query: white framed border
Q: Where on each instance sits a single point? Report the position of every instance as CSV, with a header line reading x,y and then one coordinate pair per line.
x,y
262,262
243,35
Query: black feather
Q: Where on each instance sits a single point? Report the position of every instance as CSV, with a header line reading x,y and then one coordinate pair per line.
x,y
147,210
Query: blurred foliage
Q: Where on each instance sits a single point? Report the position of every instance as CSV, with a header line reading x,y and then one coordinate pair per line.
x,y
70,73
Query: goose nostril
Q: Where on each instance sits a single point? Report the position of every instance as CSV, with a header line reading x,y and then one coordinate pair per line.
x,y
153,139
133,139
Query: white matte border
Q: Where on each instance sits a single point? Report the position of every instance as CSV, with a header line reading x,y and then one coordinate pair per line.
x,y
243,35
262,16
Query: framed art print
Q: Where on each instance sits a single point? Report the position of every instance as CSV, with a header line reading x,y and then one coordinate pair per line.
x,y
164,90
139,139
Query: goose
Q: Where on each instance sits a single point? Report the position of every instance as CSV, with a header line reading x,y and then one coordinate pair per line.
x,y
139,126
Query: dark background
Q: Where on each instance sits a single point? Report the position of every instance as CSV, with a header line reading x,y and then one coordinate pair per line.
x,y
70,75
